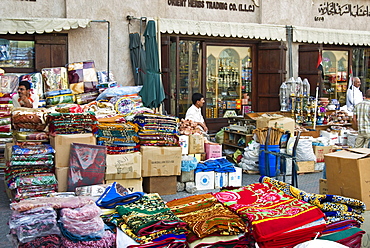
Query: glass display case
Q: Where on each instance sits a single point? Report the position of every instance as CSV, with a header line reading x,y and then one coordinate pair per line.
x,y
228,81
335,66
18,54
361,66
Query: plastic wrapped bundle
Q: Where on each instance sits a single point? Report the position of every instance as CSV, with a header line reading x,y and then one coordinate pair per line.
x,y
55,78
82,77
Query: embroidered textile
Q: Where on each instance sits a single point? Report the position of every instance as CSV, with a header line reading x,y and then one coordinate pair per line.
x,y
271,213
335,207
205,215
149,218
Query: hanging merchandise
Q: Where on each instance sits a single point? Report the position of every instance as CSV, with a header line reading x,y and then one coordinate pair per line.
x,y
152,92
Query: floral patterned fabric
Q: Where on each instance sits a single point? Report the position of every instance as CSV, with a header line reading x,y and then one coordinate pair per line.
x,y
275,218
205,215
335,207
149,218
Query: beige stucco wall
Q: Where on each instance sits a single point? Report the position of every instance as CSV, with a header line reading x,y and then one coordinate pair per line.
x,y
92,43
38,8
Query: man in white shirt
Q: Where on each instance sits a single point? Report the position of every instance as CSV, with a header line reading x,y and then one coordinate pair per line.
x,y
25,98
354,94
194,113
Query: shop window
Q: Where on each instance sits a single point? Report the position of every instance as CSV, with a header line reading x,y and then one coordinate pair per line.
x,y
17,54
229,81
361,66
335,67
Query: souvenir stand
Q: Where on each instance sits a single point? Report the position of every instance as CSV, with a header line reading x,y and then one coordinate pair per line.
x,y
113,158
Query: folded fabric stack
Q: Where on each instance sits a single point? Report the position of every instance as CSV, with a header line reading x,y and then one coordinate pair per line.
x,y
274,218
29,228
72,123
215,164
30,171
119,138
27,119
209,221
58,97
5,126
151,223
343,214
158,130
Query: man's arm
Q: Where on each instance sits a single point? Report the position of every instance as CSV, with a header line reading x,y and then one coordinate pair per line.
x,y
354,122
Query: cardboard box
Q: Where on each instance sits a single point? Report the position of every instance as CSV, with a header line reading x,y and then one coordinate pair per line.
x,y
205,180
323,187
8,151
184,143
221,179
306,166
61,173
196,144
166,185
213,150
123,166
134,185
160,161
235,178
9,192
348,174
62,146
286,123
320,151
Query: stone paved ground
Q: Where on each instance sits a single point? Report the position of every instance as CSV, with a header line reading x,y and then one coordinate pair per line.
x,y
307,182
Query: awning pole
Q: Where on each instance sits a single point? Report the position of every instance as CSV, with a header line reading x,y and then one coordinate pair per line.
x,y
289,33
108,40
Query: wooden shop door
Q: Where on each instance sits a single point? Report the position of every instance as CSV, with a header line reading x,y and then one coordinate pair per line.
x,y
271,72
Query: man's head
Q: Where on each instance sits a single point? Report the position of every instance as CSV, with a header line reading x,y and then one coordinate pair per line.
x,y
198,100
367,93
24,88
357,82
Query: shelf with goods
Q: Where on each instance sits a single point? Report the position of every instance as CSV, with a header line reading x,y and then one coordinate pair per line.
x,y
335,86
335,68
227,81
234,139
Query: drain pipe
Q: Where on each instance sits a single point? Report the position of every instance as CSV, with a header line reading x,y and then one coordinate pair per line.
x,y
289,34
108,40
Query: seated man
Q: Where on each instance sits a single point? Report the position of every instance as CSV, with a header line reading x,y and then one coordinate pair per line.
x,y
24,98
194,113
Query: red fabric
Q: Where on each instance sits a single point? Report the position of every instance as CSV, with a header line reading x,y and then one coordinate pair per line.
x,y
270,211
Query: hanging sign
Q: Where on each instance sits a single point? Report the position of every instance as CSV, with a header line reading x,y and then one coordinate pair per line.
x,y
215,5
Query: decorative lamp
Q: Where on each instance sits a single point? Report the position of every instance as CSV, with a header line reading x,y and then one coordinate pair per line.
x,y
306,87
291,84
299,90
283,97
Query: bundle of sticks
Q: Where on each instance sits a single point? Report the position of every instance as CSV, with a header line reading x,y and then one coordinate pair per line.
x,y
274,136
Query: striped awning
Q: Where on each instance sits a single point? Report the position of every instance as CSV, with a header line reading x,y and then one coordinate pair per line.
x,y
223,29
331,36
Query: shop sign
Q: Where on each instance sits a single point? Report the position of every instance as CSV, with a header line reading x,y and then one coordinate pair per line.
x,y
215,5
337,9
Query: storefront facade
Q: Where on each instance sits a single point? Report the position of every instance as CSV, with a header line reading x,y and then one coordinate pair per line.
x,y
235,52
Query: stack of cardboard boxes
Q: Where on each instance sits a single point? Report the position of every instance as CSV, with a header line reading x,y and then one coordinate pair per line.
x,y
195,145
